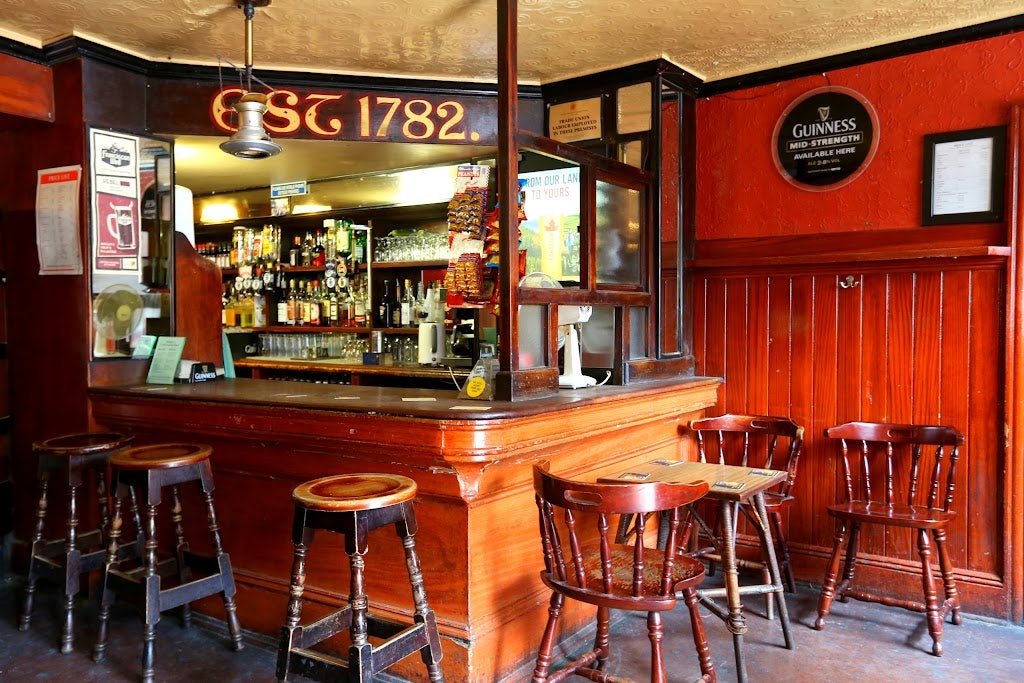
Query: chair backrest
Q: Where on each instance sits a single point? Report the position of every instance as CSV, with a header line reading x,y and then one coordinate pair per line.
x,y
763,441
577,534
903,452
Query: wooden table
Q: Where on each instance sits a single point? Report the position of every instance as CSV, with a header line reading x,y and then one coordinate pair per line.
x,y
730,485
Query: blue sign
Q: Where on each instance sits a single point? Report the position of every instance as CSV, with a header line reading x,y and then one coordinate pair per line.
x,y
288,189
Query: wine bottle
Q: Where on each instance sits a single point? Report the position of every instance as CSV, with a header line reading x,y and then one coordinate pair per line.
x,y
408,300
384,307
396,307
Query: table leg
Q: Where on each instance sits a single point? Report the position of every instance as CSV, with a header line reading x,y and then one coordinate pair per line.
x,y
765,532
736,622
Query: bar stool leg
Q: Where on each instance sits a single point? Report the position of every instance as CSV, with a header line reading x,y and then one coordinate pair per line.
x,y
107,596
224,567
423,614
152,591
37,543
291,634
72,561
360,657
180,548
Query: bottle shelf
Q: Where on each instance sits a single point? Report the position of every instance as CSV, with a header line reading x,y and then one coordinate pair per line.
x,y
438,263
311,329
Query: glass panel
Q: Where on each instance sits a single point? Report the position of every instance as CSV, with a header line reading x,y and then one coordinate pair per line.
x,y
597,337
633,109
532,347
632,153
637,332
618,235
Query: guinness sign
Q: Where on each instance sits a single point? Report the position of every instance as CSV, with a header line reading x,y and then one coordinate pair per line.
x,y
825,138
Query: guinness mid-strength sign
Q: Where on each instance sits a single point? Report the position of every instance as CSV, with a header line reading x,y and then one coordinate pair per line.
x,y
825,138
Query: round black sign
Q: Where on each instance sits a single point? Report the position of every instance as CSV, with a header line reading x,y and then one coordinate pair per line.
x,y
825,138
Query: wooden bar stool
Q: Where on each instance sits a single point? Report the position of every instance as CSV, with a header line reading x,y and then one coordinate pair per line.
x,y
63,559
354,505
149,469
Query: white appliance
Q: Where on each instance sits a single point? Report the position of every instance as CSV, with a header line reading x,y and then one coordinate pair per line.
x,y
569,317
431,343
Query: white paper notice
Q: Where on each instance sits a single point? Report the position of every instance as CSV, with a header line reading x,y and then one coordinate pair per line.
x,y
60,252
962,177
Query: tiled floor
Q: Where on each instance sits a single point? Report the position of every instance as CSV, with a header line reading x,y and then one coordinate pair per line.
x,y
861,643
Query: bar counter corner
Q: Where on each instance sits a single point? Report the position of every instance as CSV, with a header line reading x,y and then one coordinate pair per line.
x,y
478,540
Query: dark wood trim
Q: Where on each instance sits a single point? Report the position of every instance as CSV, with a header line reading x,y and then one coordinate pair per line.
x,y
982,238
22,51
845,60
72,47
1014,387
644,71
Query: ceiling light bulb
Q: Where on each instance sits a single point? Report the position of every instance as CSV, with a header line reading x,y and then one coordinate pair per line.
x,y
251,141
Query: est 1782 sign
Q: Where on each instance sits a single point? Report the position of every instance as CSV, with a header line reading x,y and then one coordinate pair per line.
x,y
825,138
367,116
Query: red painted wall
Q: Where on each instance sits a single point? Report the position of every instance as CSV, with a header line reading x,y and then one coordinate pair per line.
x,y
741,194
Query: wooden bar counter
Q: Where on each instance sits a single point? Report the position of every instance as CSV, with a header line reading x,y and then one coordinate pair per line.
x,y
478,539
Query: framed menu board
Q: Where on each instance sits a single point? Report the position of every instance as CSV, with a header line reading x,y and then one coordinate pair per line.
x,y
964,175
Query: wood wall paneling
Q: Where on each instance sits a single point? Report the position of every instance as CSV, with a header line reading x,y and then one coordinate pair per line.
x,y
26,89
906,343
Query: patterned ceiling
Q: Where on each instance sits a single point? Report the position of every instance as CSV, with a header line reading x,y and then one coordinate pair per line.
x,y
455,39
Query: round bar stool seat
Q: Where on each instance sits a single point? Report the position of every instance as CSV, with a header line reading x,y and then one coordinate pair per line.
x,y
63,559
353,505
144,471
350,492
161,456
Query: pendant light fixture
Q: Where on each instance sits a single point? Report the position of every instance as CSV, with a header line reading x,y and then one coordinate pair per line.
x,y
252,140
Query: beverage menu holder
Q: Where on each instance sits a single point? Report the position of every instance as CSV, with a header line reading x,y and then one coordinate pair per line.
x,y
163,369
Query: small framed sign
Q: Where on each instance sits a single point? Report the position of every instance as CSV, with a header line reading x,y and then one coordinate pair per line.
x,y
964,174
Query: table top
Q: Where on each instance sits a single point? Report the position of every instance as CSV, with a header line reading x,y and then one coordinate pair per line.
x,y
726,482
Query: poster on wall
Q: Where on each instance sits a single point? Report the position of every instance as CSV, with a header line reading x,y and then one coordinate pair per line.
x,y
825,139
115,201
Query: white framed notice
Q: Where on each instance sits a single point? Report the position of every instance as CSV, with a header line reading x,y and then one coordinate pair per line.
x,y
964,174
57,199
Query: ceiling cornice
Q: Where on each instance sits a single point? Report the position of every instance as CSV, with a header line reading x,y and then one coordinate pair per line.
x,y
935,41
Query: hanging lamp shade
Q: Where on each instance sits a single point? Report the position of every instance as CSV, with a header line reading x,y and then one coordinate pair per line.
x,y
252,140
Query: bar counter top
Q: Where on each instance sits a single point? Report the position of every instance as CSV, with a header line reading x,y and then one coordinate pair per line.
x,y
471,460
397,402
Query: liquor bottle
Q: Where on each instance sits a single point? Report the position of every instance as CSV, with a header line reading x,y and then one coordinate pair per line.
x,y
259,310
313,297
343,237
420,307
307,249
225,300
358,247
358,305
293,304
408,301
325,306
319,255
295,254
334,308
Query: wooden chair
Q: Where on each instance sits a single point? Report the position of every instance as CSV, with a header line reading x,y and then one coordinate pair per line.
x,y
761,441
583,563
897,476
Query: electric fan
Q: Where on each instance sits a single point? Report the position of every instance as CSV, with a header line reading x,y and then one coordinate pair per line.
x,y
572,376
116,313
